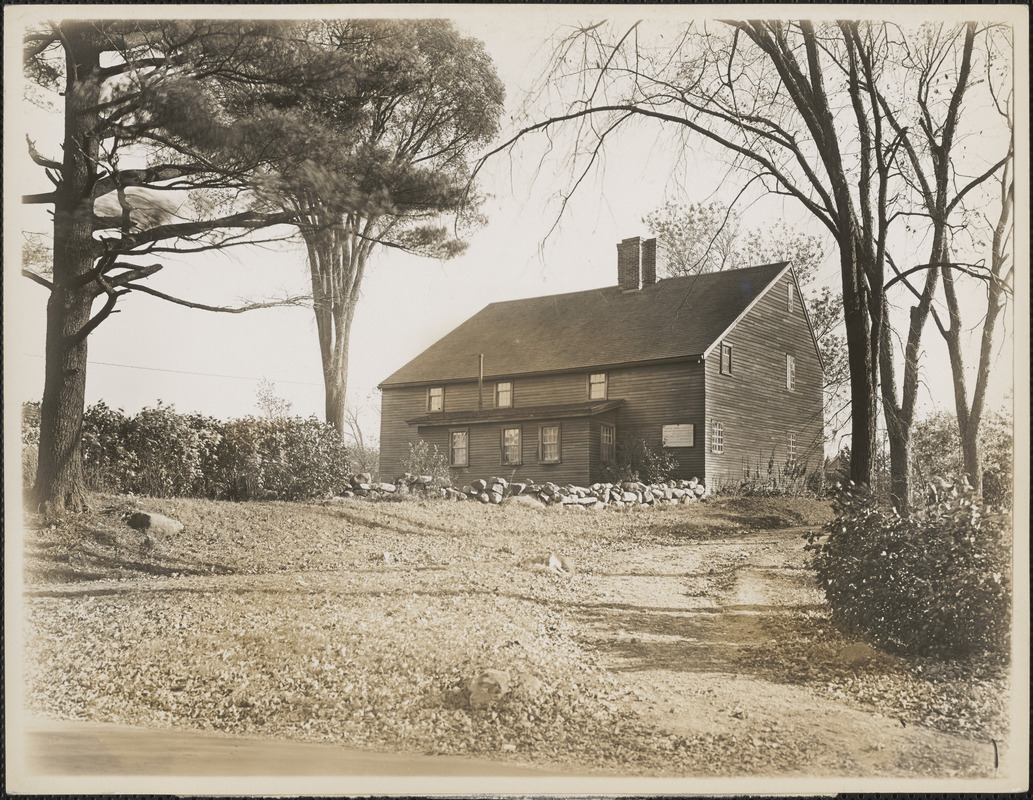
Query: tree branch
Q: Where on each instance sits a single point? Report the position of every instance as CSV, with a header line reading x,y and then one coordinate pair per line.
x,y
36,278
43,198
299,300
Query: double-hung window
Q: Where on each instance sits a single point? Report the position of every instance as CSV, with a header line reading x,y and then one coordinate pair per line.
x,y
790,373
459,448
791,298
726,359
597,386
436,398
608,444
791,450
511,446
549,444
504,394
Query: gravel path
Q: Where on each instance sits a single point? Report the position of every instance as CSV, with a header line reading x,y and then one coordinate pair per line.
x,y
694,635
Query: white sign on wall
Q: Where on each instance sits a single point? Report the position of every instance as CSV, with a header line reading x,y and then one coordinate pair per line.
x,y
678,435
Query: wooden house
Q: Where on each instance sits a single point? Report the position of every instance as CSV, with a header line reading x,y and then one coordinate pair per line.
x,y
722,370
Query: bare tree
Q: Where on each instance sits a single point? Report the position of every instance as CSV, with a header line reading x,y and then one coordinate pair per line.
x,y
799,109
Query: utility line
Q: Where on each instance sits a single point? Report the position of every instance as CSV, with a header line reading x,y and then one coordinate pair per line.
x,y
185,372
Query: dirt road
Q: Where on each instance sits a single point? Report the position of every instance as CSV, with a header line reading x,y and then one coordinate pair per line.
x,y
701,631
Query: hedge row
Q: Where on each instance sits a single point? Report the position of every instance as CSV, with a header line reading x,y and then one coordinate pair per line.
x,y
161,453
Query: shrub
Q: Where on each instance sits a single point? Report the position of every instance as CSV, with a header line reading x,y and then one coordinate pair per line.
x,y
169,451
637,461
426,459
770,479
936,453
285,458
109,464
935,582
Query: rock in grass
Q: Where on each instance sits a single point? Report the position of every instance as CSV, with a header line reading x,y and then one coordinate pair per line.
x,y
857,654
487,687
560,565
528,500
154,523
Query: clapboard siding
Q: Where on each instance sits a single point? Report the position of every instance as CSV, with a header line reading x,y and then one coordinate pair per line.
x,y
396,406
486,451
661,394
654,396
753,404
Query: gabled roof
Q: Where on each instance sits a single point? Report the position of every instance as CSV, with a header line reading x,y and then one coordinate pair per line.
x,y
671,319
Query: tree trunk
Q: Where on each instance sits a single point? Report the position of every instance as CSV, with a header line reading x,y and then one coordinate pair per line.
x,y
863,361
337,260
60,482
335,369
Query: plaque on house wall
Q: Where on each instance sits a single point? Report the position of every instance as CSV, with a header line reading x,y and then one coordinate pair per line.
x,y
678,435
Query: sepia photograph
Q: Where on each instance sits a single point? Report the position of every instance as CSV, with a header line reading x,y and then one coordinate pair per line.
x,y
547,400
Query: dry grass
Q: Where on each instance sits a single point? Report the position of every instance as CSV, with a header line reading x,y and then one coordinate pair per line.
x,y
363,623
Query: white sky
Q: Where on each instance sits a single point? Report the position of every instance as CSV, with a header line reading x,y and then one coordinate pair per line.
x,y
212,363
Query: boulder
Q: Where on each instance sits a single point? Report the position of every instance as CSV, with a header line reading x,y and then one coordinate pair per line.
x,y
154,523
390,488
487,687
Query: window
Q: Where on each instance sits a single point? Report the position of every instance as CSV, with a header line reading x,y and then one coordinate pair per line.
x,y
717,437
511,446
597,386
726,359
791,450
504,394
791,300
790,373
550,444
459,449
436,398
608,444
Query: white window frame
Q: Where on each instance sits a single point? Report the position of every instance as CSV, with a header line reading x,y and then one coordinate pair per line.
x,y
593,384
498,394
717,436
504,460
542,445
791,298
791,449
440,397
607,448
452,460
790,372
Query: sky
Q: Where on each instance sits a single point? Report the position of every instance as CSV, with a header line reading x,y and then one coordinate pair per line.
x,y
212,363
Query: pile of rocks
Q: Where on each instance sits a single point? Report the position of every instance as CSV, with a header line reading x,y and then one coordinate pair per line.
x,y
496,490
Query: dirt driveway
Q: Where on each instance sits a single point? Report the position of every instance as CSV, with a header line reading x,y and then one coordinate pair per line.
x,y
700,630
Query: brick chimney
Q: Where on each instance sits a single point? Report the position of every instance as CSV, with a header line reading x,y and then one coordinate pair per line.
x,y
636,263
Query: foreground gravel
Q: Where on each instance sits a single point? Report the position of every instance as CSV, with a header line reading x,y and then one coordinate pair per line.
x,y
687,642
